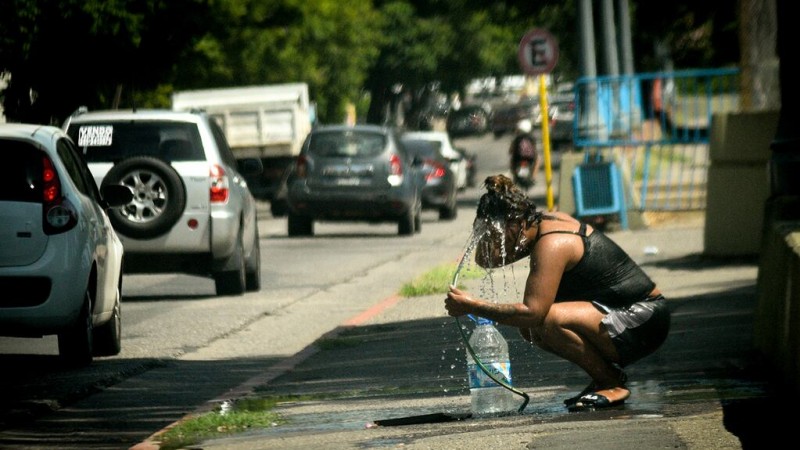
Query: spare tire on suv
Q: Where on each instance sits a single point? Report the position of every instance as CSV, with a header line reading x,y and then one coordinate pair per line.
x,y
159,197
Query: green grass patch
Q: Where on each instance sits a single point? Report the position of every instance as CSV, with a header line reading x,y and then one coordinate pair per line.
x,y
243,415
438,279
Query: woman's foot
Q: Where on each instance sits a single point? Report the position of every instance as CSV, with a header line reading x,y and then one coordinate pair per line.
x,y
592,387
587,390
601,399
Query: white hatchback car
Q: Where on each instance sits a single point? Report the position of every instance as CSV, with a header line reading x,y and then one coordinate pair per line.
x,y
60,258
458,164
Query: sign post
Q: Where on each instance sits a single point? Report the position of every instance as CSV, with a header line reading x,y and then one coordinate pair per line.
x,y
538,55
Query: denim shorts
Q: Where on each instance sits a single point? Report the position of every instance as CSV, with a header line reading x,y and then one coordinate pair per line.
x,y
637,330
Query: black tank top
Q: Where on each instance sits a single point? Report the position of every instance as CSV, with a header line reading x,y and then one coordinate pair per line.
x,y
605,273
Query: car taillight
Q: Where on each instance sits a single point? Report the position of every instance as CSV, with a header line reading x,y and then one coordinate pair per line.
x,y
301,166
58,214
437,170
395,171
220,190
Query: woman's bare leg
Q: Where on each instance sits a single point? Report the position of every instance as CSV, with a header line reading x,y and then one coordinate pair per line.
x,y
574,331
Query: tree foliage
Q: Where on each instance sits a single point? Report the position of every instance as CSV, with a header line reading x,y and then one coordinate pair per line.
x,y
56,55
59,54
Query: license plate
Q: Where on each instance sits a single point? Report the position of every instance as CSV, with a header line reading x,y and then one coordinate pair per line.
x,y
350,181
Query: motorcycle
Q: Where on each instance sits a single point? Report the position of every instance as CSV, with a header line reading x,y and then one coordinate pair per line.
x,y
523,174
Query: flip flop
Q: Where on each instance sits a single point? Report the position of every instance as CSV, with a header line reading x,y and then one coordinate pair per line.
x,y
587,390
593,402
623,378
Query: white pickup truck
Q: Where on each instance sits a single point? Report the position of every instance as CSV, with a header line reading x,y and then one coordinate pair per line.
x,y
269,122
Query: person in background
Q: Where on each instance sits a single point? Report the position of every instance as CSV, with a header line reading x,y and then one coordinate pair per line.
x,y
523,151
585,299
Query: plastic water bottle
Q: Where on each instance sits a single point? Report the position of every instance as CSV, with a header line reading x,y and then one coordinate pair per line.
x,y
488,397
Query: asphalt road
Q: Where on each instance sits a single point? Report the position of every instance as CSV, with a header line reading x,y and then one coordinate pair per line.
x,y
183,347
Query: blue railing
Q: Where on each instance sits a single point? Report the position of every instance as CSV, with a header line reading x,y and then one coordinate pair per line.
x,y
655,127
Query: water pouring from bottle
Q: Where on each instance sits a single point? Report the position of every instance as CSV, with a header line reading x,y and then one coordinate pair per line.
x,y
488,361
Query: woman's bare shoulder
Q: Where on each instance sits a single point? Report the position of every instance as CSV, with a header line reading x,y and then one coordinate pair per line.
x,y
562,216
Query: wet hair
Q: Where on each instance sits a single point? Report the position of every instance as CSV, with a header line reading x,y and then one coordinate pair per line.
x,y
504,201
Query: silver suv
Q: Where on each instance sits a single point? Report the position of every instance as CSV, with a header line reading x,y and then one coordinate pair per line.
x,y
192,211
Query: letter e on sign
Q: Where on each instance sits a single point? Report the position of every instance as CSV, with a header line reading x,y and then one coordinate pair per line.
x,y
538,52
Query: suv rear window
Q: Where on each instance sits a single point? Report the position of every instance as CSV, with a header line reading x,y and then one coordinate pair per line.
x,y
114,141
347,143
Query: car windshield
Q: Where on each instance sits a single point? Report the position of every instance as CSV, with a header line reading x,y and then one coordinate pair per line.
x,y
114,141
346,143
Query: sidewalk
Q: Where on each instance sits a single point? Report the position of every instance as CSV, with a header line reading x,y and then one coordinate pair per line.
x,y
701,390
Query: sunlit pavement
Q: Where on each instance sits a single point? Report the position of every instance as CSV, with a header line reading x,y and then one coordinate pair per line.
x,y
406,364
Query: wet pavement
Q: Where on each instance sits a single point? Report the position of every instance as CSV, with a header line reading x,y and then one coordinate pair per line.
x,y
404,367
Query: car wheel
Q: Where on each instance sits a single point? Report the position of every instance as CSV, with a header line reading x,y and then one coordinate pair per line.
x,y
159,197
278,207
108,337
75,344
231,280
253,266
300,226
449,211
405,227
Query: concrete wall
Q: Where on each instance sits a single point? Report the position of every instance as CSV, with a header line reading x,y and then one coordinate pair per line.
x,y
743,218
566,195
777,314
738,182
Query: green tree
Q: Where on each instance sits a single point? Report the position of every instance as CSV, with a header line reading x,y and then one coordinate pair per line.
x,y
328,44
448,43
59,54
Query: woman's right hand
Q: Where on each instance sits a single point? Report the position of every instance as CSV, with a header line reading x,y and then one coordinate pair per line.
x,y
457,302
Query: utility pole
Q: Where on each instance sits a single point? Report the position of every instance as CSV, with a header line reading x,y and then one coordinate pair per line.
x,y
625,41
589,120
610,58
785,159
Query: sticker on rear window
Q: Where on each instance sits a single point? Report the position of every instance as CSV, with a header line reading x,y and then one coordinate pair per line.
x,y
95,136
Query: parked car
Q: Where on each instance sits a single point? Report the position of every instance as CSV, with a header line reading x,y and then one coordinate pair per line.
x,y
469,120
440,191
562,125
354,173
458,163
60,258
505,119
192,211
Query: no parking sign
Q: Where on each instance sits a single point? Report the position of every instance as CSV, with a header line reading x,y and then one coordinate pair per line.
x,y
538,52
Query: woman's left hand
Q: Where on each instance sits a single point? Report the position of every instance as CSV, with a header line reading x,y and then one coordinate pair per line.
x,y
457,302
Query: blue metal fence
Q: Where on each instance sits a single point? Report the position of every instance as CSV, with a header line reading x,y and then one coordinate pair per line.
x,y
655,127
